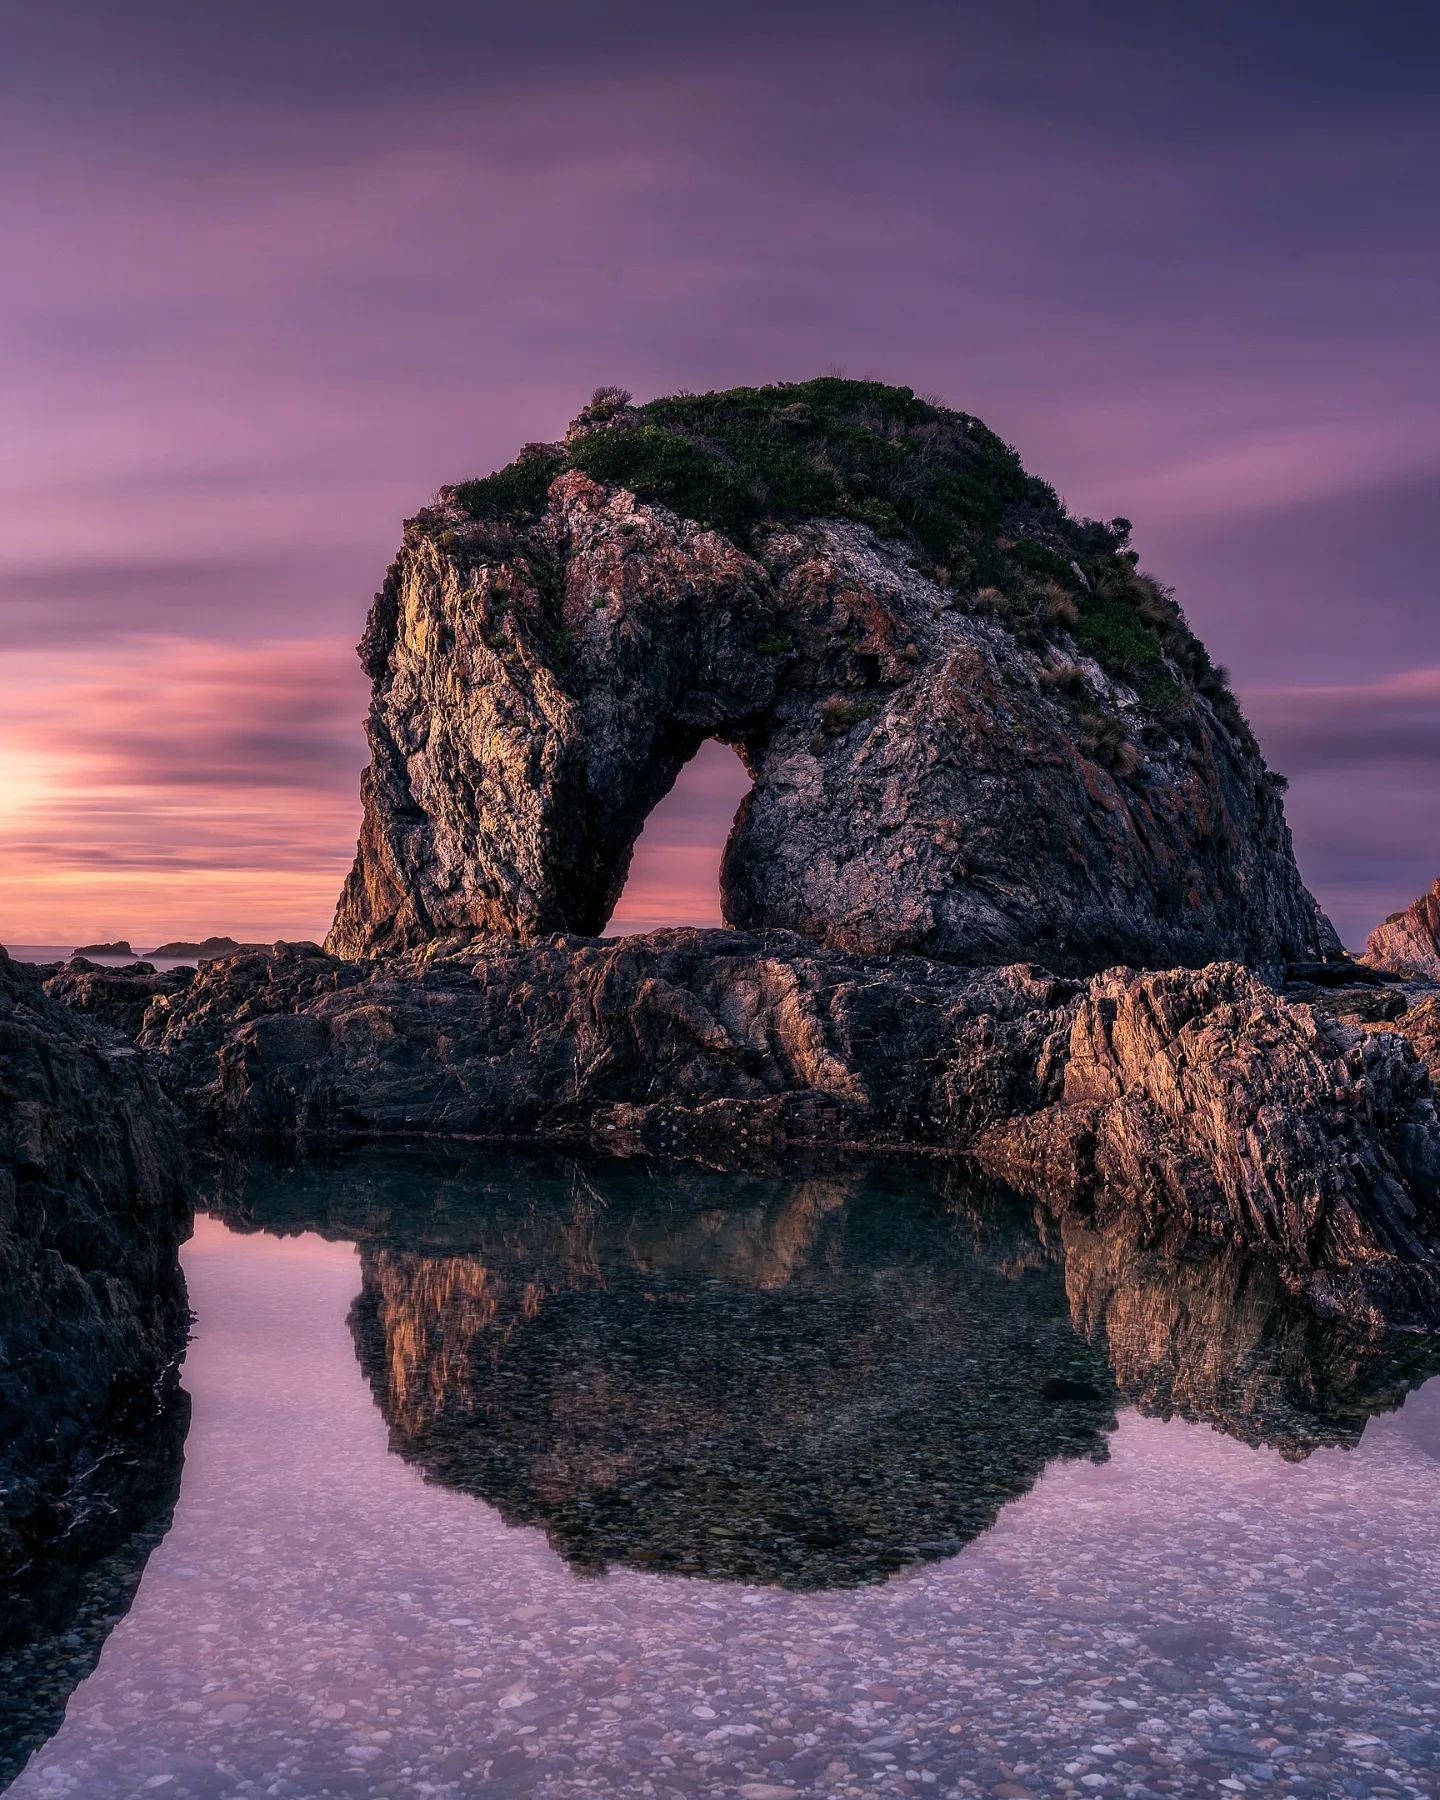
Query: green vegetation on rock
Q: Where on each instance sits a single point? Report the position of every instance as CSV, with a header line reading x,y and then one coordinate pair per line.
x,y
748,458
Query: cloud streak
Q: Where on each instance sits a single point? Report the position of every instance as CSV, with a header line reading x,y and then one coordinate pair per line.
x,y
182,786
274,275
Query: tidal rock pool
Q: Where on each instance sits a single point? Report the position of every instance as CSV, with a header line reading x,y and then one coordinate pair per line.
x,y
519,1476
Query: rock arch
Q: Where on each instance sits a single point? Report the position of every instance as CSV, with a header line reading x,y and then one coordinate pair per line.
x,y
930,775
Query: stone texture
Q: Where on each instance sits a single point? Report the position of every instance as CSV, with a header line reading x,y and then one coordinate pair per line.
x,y
1420,1023
1204,1097
116,997
92,1210
1408,943
925,779
1200,1098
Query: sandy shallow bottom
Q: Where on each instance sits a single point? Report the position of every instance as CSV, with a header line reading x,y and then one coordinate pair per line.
x,y
1192,1616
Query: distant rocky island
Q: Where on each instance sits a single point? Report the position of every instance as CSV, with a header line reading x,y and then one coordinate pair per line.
x,y
1013,887
196,949
204,949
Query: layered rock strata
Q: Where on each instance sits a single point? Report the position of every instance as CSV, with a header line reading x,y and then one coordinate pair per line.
x,y
1408,943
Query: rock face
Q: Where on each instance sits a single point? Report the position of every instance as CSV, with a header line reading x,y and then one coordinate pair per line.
x,y
1408,943
975,731
92,1210
1205,1098
1196,1097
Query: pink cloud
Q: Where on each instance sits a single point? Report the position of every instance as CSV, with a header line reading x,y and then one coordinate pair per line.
x,y
178,786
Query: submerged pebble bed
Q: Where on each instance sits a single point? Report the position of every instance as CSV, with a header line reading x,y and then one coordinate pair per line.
x,y
1192,1616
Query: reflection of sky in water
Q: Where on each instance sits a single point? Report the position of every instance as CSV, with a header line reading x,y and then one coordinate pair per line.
x,y
320,1620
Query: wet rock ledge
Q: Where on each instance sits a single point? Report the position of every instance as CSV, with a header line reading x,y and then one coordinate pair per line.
x,y
1201,1097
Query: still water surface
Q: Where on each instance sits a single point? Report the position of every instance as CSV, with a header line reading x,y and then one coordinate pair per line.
x,y
535,1479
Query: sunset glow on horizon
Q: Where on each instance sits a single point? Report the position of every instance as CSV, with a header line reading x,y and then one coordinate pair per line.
x,y
265,294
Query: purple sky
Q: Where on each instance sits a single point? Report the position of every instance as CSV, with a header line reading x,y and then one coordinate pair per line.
x,y
272,273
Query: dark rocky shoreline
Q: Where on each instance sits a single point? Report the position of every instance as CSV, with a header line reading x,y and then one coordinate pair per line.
x,y
94,1202
1301,1128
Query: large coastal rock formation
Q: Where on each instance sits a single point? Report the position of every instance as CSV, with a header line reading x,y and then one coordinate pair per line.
x,y
1195,1096
92,1210
1408,943
1010,883
975,731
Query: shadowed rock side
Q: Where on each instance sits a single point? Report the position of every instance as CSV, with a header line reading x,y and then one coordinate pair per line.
x,y
1198,1097
812,1380
975,731
1408,943
92,1210
72,1604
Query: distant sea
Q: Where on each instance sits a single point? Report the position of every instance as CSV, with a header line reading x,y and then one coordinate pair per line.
x,y
51,953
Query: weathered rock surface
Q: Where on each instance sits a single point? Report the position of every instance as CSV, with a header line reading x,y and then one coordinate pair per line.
x,y
975,732
116,997
1420,1023
92,1302
1203,1097
1408,943
1197,1097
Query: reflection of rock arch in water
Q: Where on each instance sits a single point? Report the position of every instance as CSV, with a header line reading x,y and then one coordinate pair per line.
x,y
815,1389
54,1626
601,1350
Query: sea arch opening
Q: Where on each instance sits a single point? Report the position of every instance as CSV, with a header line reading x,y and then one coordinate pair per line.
x,y
674,873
